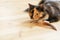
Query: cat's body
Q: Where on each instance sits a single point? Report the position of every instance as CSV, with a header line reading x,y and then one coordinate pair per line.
x,y
53,10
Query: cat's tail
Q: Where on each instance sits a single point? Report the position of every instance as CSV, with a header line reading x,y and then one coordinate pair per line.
x,y
48,24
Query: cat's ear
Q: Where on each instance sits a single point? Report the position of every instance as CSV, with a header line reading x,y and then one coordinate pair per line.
x,y
41,2
26,10
31,6
41,6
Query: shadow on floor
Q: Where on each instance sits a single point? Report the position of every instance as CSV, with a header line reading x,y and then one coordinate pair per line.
x,y
30,24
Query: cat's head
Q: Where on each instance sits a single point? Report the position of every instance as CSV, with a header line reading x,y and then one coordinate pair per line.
x,y
35,12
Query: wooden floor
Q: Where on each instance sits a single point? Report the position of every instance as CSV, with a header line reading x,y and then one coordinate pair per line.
x,y
14,23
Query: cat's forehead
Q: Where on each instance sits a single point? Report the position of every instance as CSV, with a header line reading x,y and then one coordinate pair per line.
x,y
38,8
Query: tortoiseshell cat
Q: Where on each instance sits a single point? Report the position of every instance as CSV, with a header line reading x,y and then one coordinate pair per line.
x,y
46,11
52,9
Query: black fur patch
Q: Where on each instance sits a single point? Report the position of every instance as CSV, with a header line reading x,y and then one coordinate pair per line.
x,y
32,14
39,8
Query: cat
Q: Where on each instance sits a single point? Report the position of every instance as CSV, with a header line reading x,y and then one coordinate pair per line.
x,y
37,13
45,8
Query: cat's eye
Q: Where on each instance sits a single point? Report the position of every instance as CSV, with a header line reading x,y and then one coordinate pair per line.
x,y
32,11
37,14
